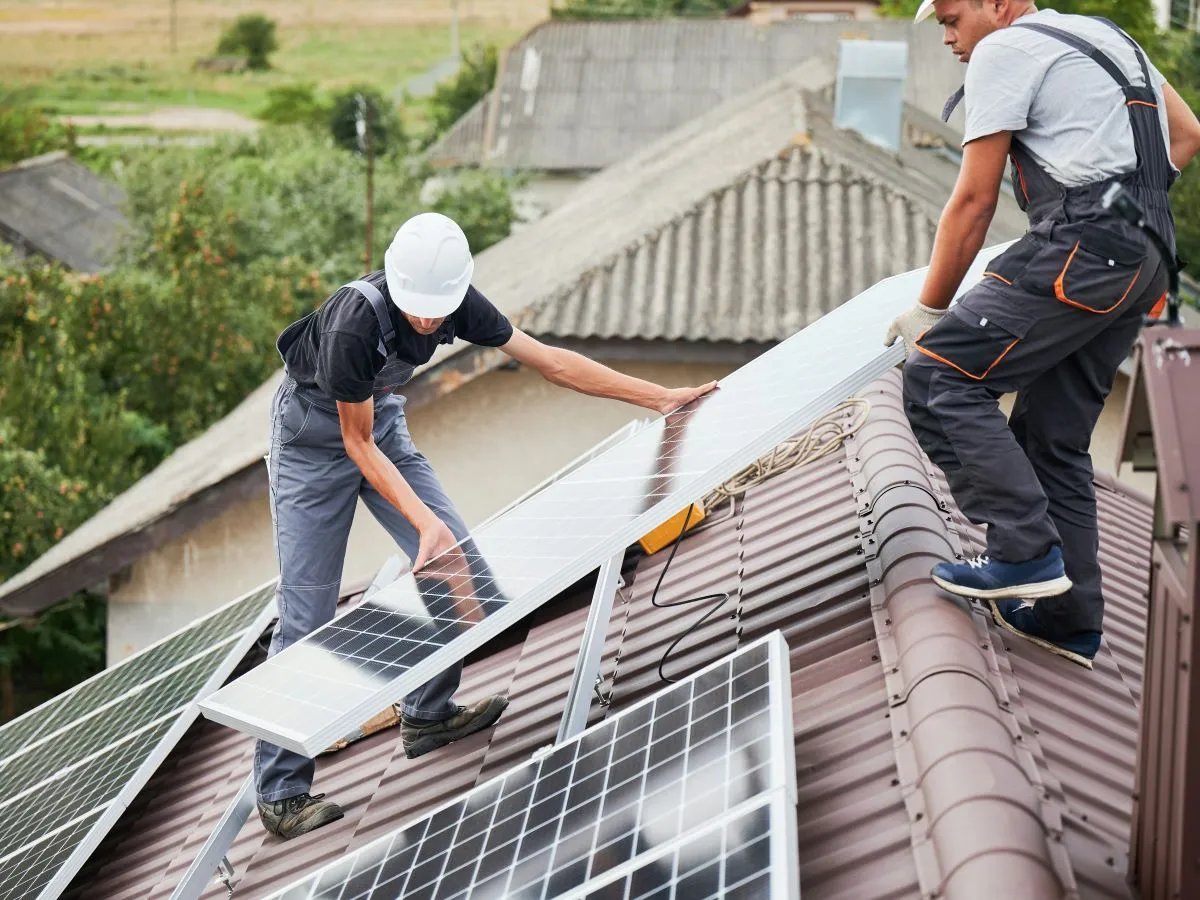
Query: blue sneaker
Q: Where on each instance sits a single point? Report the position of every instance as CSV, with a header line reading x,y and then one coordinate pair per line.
x,y
1017,617
990,579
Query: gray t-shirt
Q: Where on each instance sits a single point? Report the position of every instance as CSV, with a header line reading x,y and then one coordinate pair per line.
x,y
1065,109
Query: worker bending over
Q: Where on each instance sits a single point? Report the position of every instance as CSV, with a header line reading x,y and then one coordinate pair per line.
x,y
338,433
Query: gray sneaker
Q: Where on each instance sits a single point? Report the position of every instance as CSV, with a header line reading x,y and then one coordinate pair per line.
x,y
421,737
297,815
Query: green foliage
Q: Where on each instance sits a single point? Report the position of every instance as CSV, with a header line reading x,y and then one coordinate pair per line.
x,y
454,97
26,131
387,133
481,203
640,9
294,104
1135,16
252,37
51,653
1180,65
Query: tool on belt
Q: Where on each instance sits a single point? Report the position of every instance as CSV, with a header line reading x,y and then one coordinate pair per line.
x,y
1123,204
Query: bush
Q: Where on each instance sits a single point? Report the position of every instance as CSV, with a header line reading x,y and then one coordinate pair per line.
x,y
481,203
26,131
294,104
252,37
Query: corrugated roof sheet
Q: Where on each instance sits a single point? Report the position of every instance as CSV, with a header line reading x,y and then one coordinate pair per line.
x,y
55,206
682,190
584,95
935,756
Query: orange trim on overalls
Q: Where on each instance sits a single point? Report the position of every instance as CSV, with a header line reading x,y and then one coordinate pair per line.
x,y
1141,103
1060,291
958,368
1020,177
1159,305
999,277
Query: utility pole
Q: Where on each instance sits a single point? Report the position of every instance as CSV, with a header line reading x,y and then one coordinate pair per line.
x,y
366,147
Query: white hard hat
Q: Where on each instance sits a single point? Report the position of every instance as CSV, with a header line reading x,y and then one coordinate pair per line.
x,y
924,10
428,266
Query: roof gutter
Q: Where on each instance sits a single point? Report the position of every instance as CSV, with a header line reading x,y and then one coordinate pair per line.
x,y
982,827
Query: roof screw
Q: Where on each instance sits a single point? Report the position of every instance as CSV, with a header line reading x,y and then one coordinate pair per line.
x,y
895,669
904,733
984,645
918,817
895,782
895,696
1108,861
887,621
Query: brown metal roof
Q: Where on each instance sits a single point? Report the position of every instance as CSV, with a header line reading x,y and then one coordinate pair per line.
x,y
935,757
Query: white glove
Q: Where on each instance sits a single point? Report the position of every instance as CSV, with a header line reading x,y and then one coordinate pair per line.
x,y
912,324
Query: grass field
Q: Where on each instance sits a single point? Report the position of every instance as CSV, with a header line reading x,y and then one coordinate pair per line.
x,y
115,56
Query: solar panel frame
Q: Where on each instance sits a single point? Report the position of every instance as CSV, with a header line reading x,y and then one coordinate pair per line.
x,y
292,702
524,788
162,734
110,685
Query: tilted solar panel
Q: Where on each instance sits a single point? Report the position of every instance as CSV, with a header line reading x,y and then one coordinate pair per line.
x,y
687,773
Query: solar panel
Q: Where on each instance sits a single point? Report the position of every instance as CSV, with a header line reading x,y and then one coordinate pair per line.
x,y
642,786
28,871
218,628
70,767
318,689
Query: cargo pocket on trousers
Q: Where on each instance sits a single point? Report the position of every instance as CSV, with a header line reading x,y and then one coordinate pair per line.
x,y
1011,264
970,342
1099,273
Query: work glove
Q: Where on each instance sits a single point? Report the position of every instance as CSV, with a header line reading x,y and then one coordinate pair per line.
x,y
912,324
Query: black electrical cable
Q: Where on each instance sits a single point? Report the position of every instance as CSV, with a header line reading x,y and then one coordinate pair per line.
x,y
688,601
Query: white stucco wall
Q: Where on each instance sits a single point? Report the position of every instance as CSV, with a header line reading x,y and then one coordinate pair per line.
x,y
491,440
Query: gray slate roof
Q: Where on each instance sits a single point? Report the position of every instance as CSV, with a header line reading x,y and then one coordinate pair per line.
x,y
583,95
693,191
54,206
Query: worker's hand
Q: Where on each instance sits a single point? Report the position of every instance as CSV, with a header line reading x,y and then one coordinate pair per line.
x,y
673,398
911,324
436,539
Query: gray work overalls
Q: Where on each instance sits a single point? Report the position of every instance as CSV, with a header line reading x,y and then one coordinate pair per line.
x,y
1051,321
314,488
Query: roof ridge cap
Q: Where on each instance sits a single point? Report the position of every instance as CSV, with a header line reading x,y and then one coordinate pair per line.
x,y
975,798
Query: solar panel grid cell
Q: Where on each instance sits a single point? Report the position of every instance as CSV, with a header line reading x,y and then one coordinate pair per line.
x,y
587,809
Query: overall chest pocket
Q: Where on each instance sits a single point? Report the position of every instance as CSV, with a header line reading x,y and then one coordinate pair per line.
x,y
1098,272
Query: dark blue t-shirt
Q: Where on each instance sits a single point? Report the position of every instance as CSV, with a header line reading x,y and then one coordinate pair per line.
x,y
336,348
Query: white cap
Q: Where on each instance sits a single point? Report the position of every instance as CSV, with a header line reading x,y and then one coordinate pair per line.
x,y
428,266
923,11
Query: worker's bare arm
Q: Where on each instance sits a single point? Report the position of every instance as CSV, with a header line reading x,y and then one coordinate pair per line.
x,y
577,372
1183,128
357,422
965,220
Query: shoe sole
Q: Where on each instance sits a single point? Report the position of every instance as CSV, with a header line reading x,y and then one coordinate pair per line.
x,y
1036,591
432,742
1076,658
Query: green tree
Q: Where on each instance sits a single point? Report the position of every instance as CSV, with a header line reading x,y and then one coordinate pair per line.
x,y
481,203
454,97
387,132
252,37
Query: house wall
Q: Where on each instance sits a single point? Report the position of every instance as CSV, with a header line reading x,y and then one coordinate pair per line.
x,y
491,440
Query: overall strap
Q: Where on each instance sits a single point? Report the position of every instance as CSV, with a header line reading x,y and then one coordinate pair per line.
x,y
1098,56
952,104
1137,51
387,331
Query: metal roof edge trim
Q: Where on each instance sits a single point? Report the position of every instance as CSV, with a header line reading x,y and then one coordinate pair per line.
x,y
957,742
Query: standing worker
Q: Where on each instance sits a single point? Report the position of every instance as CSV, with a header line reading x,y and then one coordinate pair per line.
x,y
338,432
1073,101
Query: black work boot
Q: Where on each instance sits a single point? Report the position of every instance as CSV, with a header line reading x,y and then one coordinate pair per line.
x,y
297,815
419,737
